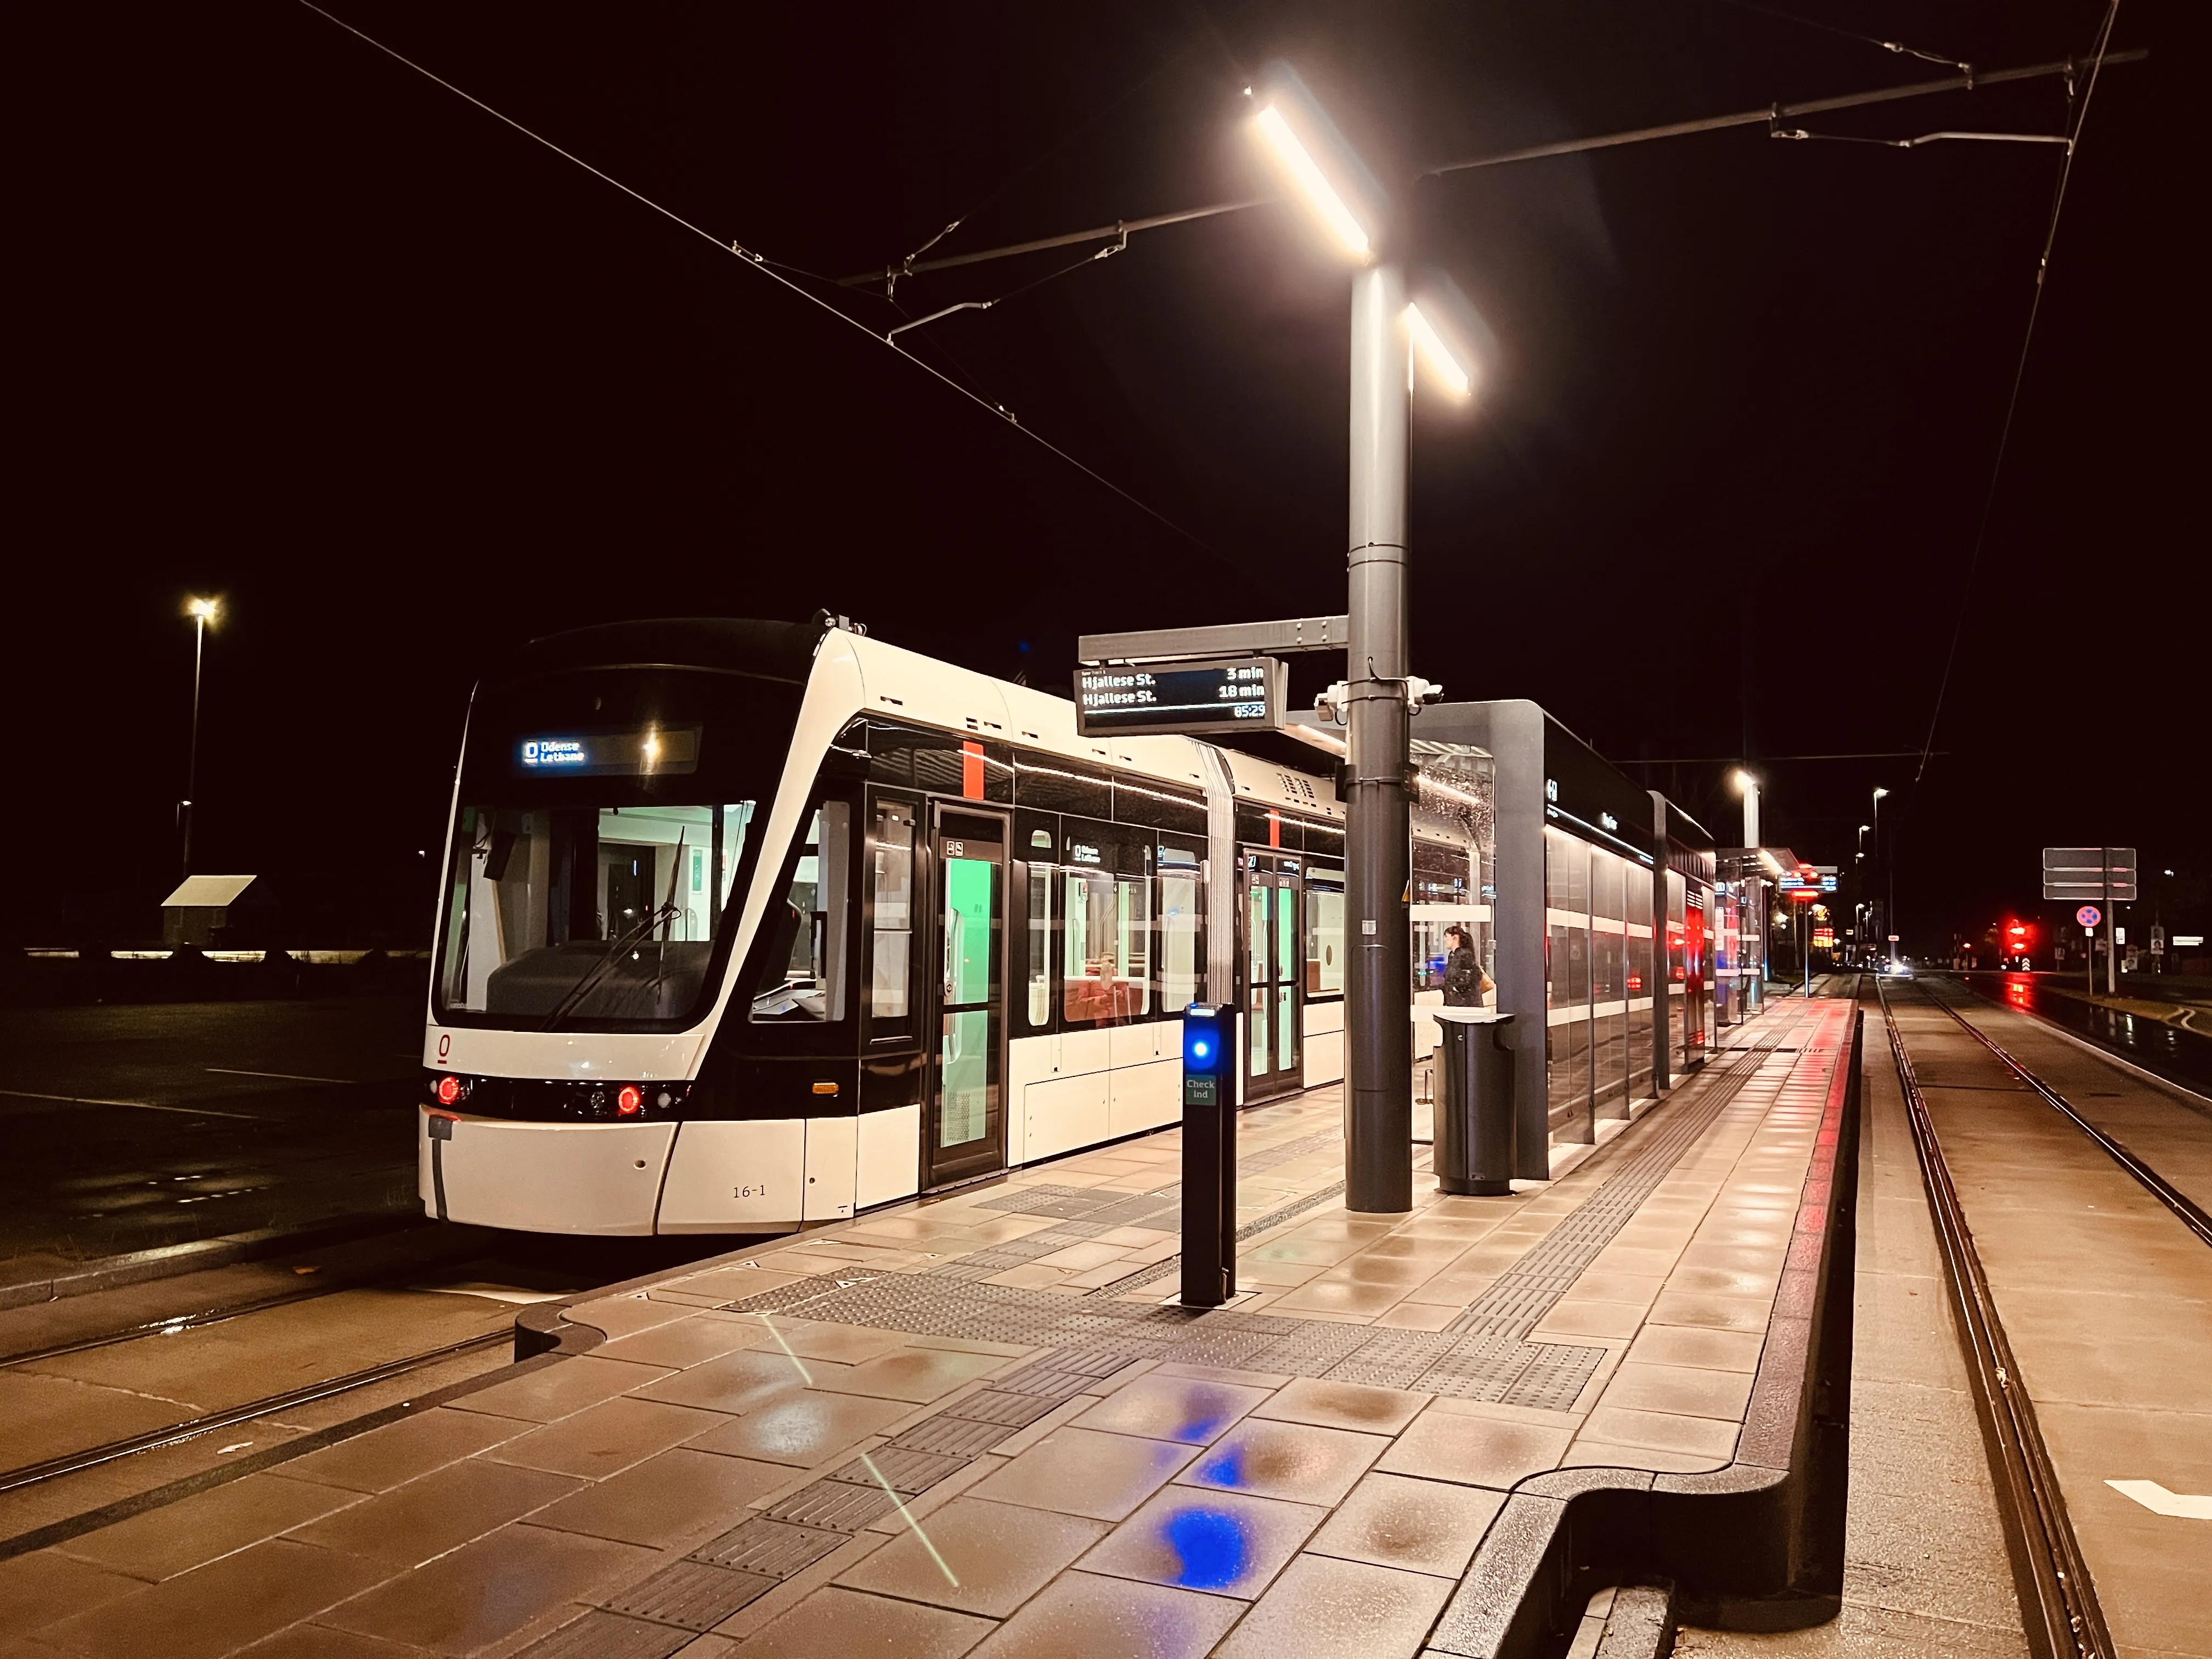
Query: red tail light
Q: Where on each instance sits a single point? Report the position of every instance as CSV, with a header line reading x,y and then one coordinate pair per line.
x,y
449,1090
631,1101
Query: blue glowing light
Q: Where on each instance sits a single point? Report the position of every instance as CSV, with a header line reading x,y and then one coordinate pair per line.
x,y
1210,1546
1198,1050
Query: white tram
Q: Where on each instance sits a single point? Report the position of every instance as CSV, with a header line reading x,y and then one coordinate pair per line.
x,y
748,925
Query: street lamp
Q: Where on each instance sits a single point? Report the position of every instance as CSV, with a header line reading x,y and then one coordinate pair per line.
x,y
203,613
1889,877
1321,171
1755,901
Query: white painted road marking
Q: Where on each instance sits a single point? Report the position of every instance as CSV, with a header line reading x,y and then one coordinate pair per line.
x,y
142,1105
2157,1499
289,1077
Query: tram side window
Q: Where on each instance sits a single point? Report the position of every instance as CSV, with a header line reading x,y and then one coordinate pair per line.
x,y
1324,935
891,914
1183,948
1106,954
804,980
1039,942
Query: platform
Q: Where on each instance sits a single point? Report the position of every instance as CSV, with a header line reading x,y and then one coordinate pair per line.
x,y
973,1426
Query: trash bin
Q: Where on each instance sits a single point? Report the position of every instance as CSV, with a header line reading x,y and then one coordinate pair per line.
x,y
1474,1102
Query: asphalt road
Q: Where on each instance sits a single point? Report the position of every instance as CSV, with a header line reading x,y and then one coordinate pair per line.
x,y
132,1126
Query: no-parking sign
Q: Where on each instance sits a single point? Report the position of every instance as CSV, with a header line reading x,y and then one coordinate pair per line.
x,y
2088,915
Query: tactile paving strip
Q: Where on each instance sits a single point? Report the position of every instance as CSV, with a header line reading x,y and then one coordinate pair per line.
x,y
691,1594
774,1549
837,1504
605,1636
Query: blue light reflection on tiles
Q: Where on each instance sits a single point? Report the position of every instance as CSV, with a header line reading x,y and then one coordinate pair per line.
x,y
1225,1468
1210,1546
1208,1413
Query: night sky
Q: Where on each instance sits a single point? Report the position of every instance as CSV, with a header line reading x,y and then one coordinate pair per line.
x,y
302,329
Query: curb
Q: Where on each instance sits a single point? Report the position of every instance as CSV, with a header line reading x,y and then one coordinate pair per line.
x,y
111,1273
1744,1547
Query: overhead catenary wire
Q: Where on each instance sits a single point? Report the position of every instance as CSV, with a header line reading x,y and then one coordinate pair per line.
x,y
760,262
2080,117
1897,46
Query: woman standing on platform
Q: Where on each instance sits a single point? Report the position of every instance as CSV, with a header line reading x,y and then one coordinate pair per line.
x,y
1465,983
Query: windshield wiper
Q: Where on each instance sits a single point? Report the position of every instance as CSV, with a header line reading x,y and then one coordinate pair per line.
x,y
629,938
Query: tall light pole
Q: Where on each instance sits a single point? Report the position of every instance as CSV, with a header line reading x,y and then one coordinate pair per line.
x,y
1889,902
1755,905
203,613
1388,335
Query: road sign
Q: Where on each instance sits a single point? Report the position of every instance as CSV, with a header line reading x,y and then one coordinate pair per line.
x,y
2089,872
2088,915
1232,694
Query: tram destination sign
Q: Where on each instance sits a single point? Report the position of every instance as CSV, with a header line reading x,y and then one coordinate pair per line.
x,y
1223,694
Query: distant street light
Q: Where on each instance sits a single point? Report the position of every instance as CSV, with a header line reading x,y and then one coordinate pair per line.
x,y
203,613
1888,923
1319,171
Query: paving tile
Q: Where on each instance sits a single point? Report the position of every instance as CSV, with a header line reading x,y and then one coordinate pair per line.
x,y
436,1512
1684,1391
43,1586
392,1456
917,1376
1414,1315
837,1622
1296,1461
1600,1454
1613,1320
1720,1313
739,1381
177,1537
315,1641
1345,1405
445,1605
621,1316
1422,1526
1162,1406
815,1339
1481,1451
1691,1345
803,1428
680,1494
1222,1543
1001,1554
1333,1295
1663,1430
1323,1608
222,1606
567,1385
1081,1472
682,1342
602,1439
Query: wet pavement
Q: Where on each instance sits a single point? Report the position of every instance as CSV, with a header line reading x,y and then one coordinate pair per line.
x,y
972,1424
135,1126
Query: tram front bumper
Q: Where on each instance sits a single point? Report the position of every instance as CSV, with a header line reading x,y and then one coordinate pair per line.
x,y
597,1178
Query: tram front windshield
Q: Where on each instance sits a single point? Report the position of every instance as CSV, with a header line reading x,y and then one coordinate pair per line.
x,y
598,848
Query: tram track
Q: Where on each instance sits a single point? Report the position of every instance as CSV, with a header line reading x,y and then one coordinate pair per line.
x,y
2191,1215
2058,1601
230,1417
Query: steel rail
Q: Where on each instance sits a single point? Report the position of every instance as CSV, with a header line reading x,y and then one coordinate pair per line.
x,y
54,1468
172,1324
2059,1600
2192,1217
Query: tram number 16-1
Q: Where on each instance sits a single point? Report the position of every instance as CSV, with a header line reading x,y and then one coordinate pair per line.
x,y
750,1189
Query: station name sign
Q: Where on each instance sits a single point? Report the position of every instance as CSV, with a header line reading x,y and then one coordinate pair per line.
x,y
1226,694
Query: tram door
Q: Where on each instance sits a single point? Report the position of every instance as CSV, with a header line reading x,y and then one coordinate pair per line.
x,y
1273,1004
964,1127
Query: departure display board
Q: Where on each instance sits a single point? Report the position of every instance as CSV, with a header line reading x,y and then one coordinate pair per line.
x,y
1230,694
657,751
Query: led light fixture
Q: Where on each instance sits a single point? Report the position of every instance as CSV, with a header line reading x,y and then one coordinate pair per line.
x,y
1299,170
